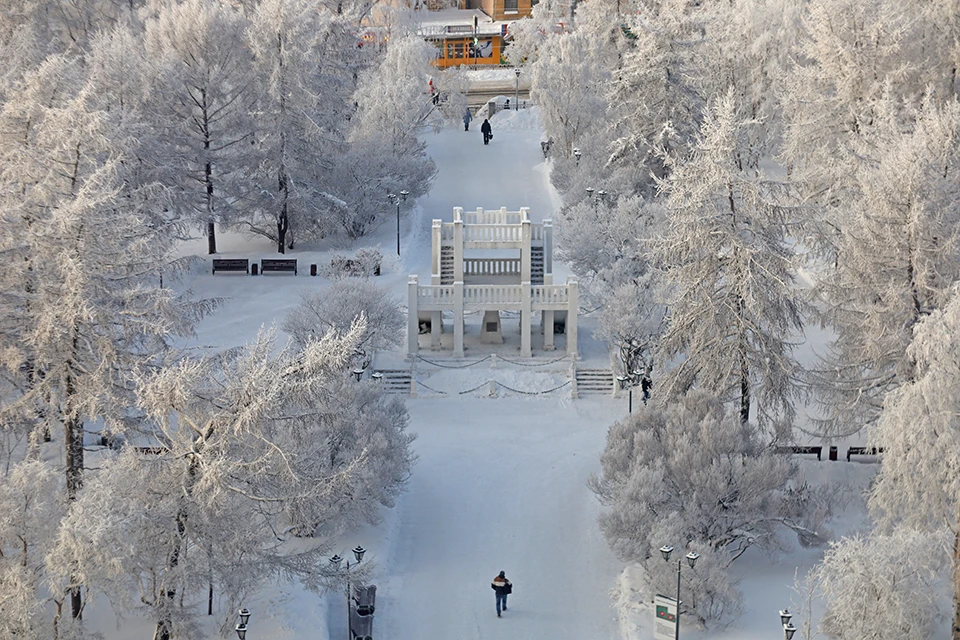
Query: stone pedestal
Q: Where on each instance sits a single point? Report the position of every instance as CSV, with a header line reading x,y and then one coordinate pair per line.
x,y
490,332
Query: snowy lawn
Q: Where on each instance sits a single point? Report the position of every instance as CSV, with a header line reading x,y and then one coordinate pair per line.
x,y
500,482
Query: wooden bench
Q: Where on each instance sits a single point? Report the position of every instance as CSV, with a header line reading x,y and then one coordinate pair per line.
x,y
802,450
366,599
361,627
863,451
281,265
231,264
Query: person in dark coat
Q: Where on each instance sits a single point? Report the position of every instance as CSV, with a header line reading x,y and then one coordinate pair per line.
x,y
487,131
502,587
467,117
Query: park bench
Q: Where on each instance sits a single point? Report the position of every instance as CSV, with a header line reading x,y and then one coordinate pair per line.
x,y
231,264
280,265
863,451
365,598
801,450
361,627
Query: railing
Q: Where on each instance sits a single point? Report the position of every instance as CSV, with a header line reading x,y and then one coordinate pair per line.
x,y
491,266
435,295
549,295
493,295
492,233
499,216
536,232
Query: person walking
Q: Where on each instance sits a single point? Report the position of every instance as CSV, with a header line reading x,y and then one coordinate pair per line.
x,y
487,131
502,587
467,117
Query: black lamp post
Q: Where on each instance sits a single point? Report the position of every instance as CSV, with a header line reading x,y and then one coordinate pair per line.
x,y
358,552
516,97
577,154
788,629
241,627
691,557
395,199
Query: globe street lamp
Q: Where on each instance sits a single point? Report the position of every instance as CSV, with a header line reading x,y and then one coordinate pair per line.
x,y
358,552
691,557
516,97
241,627
395,199
788,629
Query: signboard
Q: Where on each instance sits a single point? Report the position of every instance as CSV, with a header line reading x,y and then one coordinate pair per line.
x,y
665,622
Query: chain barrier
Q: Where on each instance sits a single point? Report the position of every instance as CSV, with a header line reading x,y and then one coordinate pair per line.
x,y
532,364
531,393
526,393
451,366
420,384
475,388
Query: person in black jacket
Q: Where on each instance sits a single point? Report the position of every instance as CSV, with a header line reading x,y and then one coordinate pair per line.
x,y
502,587
487,131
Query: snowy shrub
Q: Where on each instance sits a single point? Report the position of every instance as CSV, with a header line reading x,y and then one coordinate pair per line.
x,y
364,264
339,306
694,471
884,587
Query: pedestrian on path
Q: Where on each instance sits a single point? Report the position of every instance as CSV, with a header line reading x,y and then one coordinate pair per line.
x,y
467,117
487,131
502,587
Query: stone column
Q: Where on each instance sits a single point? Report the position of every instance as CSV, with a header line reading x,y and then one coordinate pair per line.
x,y
413,321
526,315
458,319
437,243
458,244
574,301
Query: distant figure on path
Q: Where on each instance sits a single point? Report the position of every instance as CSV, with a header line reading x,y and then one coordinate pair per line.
x,y
487,131
467,117
502,587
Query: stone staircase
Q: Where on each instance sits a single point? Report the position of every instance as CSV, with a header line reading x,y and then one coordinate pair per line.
x,y
594,381
395,381
446,265
536,265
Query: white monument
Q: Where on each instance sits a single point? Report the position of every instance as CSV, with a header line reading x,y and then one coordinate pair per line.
x,y
491,285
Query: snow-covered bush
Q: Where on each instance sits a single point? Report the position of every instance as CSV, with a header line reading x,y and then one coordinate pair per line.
x,y
884,587
337,308
694,476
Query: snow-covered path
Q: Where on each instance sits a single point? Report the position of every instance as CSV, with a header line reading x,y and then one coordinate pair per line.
x,y
498,489
500,483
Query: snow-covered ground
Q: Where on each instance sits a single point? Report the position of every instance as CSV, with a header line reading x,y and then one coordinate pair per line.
x,y
500,481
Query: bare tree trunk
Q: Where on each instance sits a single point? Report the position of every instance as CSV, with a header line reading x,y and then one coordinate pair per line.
x,y
73,441
955,632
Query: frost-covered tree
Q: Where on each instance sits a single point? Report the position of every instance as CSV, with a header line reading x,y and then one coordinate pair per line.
x,y
82,301
338,307
917,487
31,506
200,104
385,154
883,586
565,82
606,245
693,474
255,446
897,254
728,272
303,67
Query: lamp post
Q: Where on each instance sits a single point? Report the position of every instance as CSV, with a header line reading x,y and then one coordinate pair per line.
x,y
691,557
516,97
358,552
358,373
241,627
576,154
788,629
628,382
395,199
